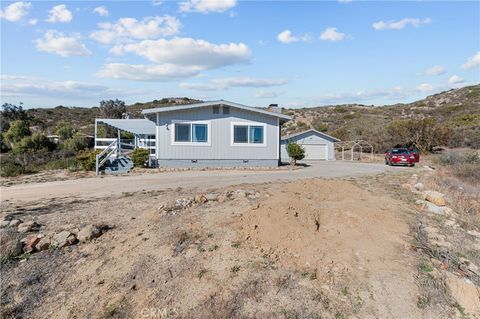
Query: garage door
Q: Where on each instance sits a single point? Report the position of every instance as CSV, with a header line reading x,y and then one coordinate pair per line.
x,y
315,151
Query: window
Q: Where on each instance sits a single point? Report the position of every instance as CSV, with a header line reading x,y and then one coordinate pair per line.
x,y
182,132
199,133
248,134
191,133
226,109
216,109
240,134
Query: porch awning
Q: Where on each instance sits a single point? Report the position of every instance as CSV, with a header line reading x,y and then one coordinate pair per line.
x,y
135,126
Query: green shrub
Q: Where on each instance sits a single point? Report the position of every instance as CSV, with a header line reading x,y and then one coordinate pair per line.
x,y
10,169
76,144
296,152
321,127
71,163
64,130
17,131
140,157
87,159
32,144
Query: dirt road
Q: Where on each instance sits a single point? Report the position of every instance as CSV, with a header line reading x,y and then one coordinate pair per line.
x,y
111,185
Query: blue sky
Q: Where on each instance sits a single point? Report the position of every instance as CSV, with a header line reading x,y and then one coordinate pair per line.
x,y
252,52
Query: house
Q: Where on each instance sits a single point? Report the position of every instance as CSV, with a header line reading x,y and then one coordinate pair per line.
x,y
317,145
209,134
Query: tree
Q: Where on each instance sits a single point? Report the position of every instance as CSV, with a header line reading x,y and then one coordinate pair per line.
x,y
423,134
17,131
11,112
75,144
296,152
113,109
64,130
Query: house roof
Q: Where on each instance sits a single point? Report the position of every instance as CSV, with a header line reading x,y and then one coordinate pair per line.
x,y
334,139
135,126
211,103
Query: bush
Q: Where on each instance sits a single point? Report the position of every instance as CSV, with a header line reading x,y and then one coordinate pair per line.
x,y
17,131
75,144
10,168
296,152
87,159
64,130
32,144
140,157
70,163
458,158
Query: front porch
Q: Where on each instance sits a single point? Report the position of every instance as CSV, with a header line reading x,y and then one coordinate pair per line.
x,y
118,138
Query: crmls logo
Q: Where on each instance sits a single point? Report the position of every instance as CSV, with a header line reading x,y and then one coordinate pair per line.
x,y
159,313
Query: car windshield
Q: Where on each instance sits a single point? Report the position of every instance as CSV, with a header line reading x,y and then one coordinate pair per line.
x,y
399,151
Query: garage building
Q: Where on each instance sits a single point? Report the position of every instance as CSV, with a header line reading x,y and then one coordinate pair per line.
x,y
317,145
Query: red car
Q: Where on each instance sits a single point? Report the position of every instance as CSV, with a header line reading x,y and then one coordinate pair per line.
x,y
400,156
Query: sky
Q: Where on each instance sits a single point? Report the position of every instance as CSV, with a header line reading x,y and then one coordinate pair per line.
x,y
293,53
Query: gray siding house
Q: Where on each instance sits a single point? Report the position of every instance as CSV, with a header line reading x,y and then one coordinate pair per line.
x,y
216,134
317,145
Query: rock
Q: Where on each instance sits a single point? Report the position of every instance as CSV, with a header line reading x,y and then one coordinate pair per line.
x,y
211,197
465,293
43,243
4,223
30,244
221,198
419,186
431,207
183,203
240,193
88,233
28,227
428,168
255,206
257,194
435,197
406,186
64,238
14,222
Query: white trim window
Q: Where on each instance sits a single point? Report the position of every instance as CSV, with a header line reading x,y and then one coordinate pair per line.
x,y
191,133
248,134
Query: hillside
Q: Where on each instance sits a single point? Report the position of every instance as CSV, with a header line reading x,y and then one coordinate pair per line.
x,y
459,108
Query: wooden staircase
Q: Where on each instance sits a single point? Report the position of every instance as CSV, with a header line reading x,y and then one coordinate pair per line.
x,y
120,165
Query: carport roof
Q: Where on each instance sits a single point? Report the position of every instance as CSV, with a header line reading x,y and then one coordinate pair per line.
x,y
135,126
334,139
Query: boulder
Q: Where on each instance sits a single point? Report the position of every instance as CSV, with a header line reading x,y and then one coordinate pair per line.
x,y
63,238
28,227
431,207
88,233
4,223
240,193
14,222
43,243
221,198
30,244
419,186
435,197
465,293
211,197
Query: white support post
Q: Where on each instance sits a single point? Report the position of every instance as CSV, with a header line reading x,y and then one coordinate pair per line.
x,y
95,136
119,144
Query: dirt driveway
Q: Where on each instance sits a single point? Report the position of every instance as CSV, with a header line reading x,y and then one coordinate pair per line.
x,y
111,185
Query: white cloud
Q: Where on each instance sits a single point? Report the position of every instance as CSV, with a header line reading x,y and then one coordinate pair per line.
x,y
435,70
473,62
206,6
126,29
60,13
57,43
15,11
61,92
226,83
455,79
33,21
331,34
157,2
287,37
425,87
141,72
188,52
101,11
400,24
394,93
267,94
